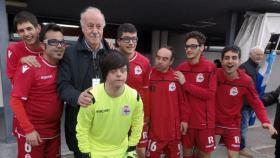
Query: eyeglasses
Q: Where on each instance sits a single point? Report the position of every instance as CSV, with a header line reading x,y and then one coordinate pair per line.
x,y
55,42
128,39
192,46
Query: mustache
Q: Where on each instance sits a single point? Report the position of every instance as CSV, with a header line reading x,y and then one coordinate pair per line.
x,y
95,35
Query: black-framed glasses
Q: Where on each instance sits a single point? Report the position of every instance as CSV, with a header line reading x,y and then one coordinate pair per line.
x,y
128,39
192,46
55,42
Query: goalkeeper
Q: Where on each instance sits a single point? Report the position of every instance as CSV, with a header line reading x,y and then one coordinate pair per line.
x,y
102,127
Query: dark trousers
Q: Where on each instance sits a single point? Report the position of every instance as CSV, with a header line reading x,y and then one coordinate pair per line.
x,y
77,154
277,148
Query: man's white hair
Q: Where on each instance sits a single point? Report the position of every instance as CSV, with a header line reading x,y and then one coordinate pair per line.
x,y
255,48
94,10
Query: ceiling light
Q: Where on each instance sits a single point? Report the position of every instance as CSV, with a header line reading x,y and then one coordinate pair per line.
x,y
16,4
63,25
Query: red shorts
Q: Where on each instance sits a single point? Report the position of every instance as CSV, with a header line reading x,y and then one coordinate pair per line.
x,y
203,139
230,137
143,142
48,148
170,148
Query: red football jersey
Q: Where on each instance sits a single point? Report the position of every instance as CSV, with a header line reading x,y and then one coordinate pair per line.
x,y
36,87
200,88
139,69
138,76
15,52
167,106
229,100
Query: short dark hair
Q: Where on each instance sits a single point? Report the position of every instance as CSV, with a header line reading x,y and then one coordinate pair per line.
x,y
126,27
49,27
25,16
218,63
232,48
113,60
200,37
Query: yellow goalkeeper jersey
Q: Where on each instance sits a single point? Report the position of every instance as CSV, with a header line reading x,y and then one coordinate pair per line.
x,y
102,128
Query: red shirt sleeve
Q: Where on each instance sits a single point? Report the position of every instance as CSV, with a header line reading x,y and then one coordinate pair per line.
x,y
145,90
12,63
23,80
184,106
19,111
203,93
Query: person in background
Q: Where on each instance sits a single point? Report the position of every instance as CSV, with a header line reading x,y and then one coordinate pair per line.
x,y
103,127
26,50
167,121
139,69
233,86
35,101
197,75
80,69
218,63
251,67
270,98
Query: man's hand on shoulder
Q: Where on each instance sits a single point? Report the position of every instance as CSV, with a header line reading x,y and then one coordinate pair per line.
x,y
30,60
85,98
180,77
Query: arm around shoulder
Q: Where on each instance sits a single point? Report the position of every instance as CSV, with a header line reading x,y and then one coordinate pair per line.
x,y
65,86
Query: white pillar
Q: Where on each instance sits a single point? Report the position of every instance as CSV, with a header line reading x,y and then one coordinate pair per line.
x,y
155,44
5,83
163,38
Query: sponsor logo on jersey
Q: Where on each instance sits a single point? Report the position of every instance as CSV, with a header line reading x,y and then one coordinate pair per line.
x,y
126,110
199,77
172,86
46,77
137,70
102,110
233,91
9,53
24,68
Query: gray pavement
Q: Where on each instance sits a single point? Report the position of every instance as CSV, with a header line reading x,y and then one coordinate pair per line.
x,y
258,139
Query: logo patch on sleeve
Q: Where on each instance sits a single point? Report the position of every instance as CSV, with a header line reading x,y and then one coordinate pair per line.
x,y
24,68
10,53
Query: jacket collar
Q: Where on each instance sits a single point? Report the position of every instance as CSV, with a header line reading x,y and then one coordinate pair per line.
x,y
82,47
252,62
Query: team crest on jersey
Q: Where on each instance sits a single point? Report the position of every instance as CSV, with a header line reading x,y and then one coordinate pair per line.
x,y
24,68
137,70
126,110
9,53
172,87
199,77
233,91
